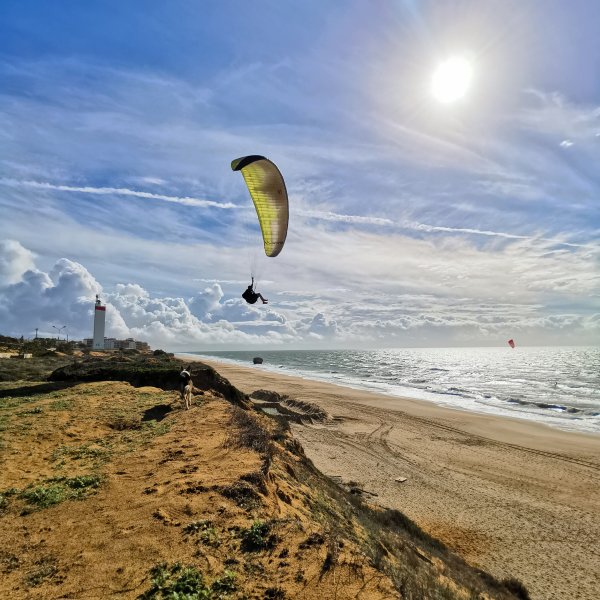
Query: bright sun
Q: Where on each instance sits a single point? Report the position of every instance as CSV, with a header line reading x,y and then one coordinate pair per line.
x,y
451,79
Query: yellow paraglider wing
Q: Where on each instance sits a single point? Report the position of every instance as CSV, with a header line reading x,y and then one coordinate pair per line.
x,y
267,189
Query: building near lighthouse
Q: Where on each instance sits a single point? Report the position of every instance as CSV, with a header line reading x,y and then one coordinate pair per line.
x,y
99,320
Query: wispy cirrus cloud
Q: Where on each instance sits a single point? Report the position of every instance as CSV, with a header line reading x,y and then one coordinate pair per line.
x,y
510,236
110,191
340,218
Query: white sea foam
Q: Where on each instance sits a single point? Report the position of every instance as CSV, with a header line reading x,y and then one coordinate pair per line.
x,y
557,386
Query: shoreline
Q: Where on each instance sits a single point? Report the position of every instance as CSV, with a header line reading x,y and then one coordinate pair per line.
x,y
552,412
515,497
474,421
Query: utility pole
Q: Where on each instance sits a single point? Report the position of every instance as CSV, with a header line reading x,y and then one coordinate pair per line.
x,y
36,330
59,329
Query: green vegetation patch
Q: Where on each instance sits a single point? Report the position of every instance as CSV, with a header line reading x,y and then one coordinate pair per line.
x,y
258,537
61,404
204,532
9,402
85,452
36,369
3,422
152,428
58,489
176,582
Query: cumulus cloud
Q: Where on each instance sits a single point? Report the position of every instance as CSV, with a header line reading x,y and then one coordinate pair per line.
x,y
14,261
65,296
62,297
438,304
320,326
205,301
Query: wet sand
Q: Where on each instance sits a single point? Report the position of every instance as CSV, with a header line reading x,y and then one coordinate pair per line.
x,y
517,498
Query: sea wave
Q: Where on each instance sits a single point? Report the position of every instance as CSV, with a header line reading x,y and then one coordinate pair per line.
x,y
557,386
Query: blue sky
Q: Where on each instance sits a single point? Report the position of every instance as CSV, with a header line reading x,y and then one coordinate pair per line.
x,y
412,223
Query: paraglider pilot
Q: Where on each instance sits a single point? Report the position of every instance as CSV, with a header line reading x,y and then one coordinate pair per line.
x,y
250,296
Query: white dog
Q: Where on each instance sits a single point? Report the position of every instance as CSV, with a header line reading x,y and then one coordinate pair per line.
x,y
188,391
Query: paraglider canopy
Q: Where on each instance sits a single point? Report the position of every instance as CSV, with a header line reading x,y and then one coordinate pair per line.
x,y
267,189
511,343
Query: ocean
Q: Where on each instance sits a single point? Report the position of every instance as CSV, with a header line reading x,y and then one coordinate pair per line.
x,y
559,386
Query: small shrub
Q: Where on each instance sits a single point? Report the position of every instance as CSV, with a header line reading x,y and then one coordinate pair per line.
x,y
242,493
83,482
177,582
61,404
8,562
43,496
258,537
59,489
225,585
204,532
332,556
314,539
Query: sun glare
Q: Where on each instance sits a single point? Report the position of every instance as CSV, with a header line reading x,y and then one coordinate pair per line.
x,y
451,79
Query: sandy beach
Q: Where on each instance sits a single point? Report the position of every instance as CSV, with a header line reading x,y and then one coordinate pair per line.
x,y
516,498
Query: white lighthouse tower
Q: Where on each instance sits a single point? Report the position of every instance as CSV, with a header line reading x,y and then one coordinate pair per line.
x,y
99,318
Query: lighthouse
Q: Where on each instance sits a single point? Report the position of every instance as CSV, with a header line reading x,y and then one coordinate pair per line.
x,y
99,318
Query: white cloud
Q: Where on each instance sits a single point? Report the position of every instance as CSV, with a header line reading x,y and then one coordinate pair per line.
x,y
104,191
206,301
63,297
14,261
456,309
339,218
132,290
322,327
151,180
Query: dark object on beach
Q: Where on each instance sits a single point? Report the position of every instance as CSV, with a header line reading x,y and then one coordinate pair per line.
x,y
257,360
